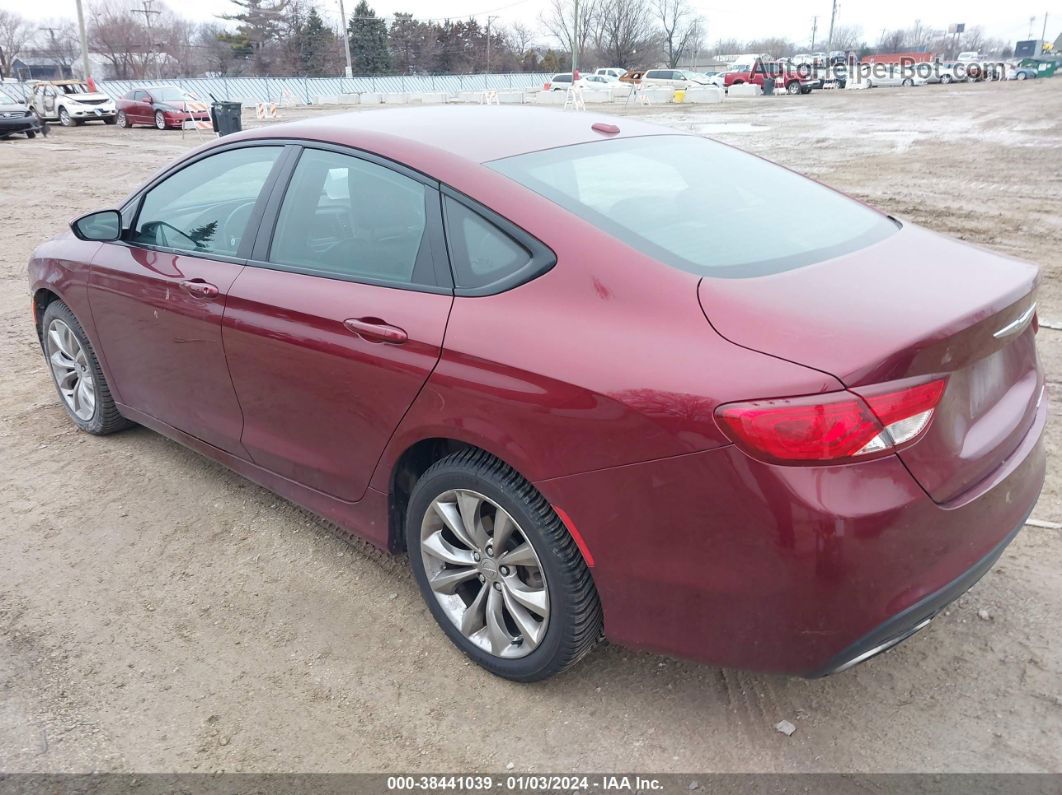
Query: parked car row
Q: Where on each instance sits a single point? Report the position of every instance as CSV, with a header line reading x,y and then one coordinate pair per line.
x,y
71,103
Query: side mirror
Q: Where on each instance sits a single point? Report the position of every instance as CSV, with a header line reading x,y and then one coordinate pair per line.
x,y
103,226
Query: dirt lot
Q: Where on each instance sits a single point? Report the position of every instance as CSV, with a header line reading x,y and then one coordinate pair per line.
x,y
158,613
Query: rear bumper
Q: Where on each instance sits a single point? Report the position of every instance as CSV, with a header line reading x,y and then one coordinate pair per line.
x,y
801,570
916,617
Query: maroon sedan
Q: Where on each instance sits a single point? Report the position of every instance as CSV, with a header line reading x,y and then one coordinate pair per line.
x,y
160,106
586,375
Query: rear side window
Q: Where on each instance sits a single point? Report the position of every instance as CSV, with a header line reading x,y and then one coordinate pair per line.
x,y
486,258
348,218
205,208
699,205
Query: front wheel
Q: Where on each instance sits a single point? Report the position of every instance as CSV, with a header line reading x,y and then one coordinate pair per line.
x,y
1022,75
793,88
160,120
945,79
76,373
499,570
31,134
110,119
907,82
64,118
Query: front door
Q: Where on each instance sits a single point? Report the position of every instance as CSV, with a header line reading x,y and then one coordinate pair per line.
x,y
331,334
158,295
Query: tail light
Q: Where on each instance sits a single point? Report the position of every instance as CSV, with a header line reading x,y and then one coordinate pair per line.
x,y
831,427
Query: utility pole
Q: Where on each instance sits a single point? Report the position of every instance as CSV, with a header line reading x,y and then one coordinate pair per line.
x,y
489,18
1044,34
346,37
149,12
814,30
84,43
833,17
575,41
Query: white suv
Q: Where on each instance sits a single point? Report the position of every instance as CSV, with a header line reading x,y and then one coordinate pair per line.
x,y
72,103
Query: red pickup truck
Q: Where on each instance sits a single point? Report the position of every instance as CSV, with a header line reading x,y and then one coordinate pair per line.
x,y
785,76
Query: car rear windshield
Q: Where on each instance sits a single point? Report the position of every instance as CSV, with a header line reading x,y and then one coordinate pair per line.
x,y
699,205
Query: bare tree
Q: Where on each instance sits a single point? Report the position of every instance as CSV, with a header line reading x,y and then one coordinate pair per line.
x,y
624,35
520,37
892,40
847,37
680,26
559,19
15,34
57,39
919,36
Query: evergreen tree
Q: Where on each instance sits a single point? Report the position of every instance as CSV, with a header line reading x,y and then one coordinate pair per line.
x,y
368,42
316,41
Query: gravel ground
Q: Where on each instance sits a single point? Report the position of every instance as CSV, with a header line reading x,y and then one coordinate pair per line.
x,y
158,613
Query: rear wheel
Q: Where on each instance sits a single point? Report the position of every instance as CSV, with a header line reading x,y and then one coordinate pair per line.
x,y
945,79
498,569
76,373
907,82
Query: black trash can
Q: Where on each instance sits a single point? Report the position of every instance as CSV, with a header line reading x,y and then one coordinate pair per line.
x,y
768,86
226,117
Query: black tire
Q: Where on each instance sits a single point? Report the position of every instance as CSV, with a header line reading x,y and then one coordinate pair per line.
x,y
793,88
575,612
110,119
160,120
105,419
907,82
122,120
945,79
64,118
31,133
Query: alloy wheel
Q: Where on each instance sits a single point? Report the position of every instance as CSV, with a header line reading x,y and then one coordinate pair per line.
x,y
123,120
71,370
485,573
160,120
64,118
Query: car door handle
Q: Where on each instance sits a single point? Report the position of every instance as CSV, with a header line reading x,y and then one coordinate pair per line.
x,y
199,288
375,330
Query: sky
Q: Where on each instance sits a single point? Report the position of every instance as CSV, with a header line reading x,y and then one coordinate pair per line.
x,y
738,19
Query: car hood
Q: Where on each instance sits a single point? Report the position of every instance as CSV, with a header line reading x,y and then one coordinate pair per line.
x,y
10,107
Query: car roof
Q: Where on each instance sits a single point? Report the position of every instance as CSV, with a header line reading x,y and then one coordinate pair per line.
x,y
424,137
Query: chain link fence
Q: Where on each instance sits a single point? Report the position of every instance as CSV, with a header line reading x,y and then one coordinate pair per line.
x,y
315,90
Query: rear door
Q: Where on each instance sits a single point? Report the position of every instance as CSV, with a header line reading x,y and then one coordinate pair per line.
x,y
337,322
158,295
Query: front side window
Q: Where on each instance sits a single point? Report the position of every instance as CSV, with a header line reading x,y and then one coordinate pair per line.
x,y
348,218
699,205
205,208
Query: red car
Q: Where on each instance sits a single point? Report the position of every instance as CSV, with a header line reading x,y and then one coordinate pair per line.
x,y
160,106
786,78
580,369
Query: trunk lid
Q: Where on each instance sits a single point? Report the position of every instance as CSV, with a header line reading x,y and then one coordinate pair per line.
x,y
913,305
